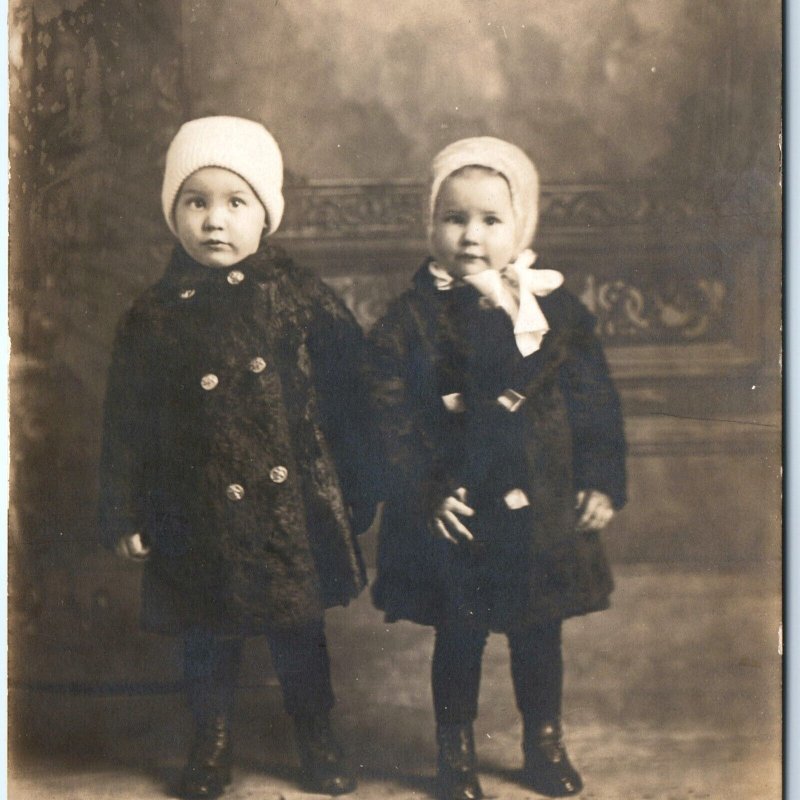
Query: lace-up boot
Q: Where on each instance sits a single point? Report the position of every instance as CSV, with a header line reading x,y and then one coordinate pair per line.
x,y
547,767
208,770
325,768
456,763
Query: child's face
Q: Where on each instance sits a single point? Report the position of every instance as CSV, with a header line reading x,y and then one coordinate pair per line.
x,y
473,223
218,217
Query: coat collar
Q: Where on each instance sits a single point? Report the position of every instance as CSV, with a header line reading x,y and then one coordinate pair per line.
x,y
263,265
423,280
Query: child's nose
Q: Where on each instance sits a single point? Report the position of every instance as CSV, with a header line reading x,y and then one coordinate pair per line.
x,y
213,218
472,232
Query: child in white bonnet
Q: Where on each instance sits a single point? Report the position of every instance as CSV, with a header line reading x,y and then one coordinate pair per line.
x,y
504,457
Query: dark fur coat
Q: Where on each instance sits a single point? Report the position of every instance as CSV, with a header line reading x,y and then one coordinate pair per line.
x,y
234,432
528,565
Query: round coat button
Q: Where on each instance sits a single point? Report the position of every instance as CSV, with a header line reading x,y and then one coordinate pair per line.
x,y
278,474
187,294
235,492
235,276
209,382
257,364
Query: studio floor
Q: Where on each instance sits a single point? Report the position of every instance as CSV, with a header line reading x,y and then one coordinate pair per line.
x,y
673,694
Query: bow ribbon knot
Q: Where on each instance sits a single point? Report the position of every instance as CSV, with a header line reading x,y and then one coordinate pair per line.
x,y
514,289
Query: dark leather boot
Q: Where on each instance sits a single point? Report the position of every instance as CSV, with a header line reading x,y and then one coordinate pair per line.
x,y
456,763
325,769
208,770
547,768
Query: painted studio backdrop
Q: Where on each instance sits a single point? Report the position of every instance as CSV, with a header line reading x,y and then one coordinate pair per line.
x,y
654,124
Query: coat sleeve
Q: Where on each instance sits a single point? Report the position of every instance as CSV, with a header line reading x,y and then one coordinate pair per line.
x,y
387,386
337,349
125,433
407,467
595,414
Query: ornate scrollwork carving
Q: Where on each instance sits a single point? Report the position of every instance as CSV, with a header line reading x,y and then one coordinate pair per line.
x,y
361,211
612,204
364,210
658,308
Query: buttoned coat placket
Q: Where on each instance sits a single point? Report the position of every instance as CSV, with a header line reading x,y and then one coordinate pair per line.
x,y
215,447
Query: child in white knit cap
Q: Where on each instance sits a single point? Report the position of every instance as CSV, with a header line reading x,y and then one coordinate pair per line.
x,y
504,453
234,432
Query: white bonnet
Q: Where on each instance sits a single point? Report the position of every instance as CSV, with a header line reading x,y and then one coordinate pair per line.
x,y
503,157
240,145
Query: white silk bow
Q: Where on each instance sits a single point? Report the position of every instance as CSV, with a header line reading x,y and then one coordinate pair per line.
x,y
530,323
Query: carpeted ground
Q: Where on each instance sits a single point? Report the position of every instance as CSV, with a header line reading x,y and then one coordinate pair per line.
x,y
673,694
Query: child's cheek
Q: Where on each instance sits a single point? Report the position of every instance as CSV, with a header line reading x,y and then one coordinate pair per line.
x,y
443,243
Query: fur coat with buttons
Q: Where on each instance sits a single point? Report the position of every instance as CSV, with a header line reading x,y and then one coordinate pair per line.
x,y
235,429
439,363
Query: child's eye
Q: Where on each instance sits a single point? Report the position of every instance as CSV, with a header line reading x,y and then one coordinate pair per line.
x,y
237,201
195,202
491,220
454,219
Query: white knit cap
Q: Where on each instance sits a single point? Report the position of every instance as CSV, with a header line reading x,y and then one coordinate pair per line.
x,y
510,162
240,145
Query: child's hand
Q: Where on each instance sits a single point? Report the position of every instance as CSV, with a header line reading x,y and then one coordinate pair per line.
x,y
446,524
594,509
132,547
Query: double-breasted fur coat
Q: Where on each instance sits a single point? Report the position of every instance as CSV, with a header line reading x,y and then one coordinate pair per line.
x,y
235,428
528,565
